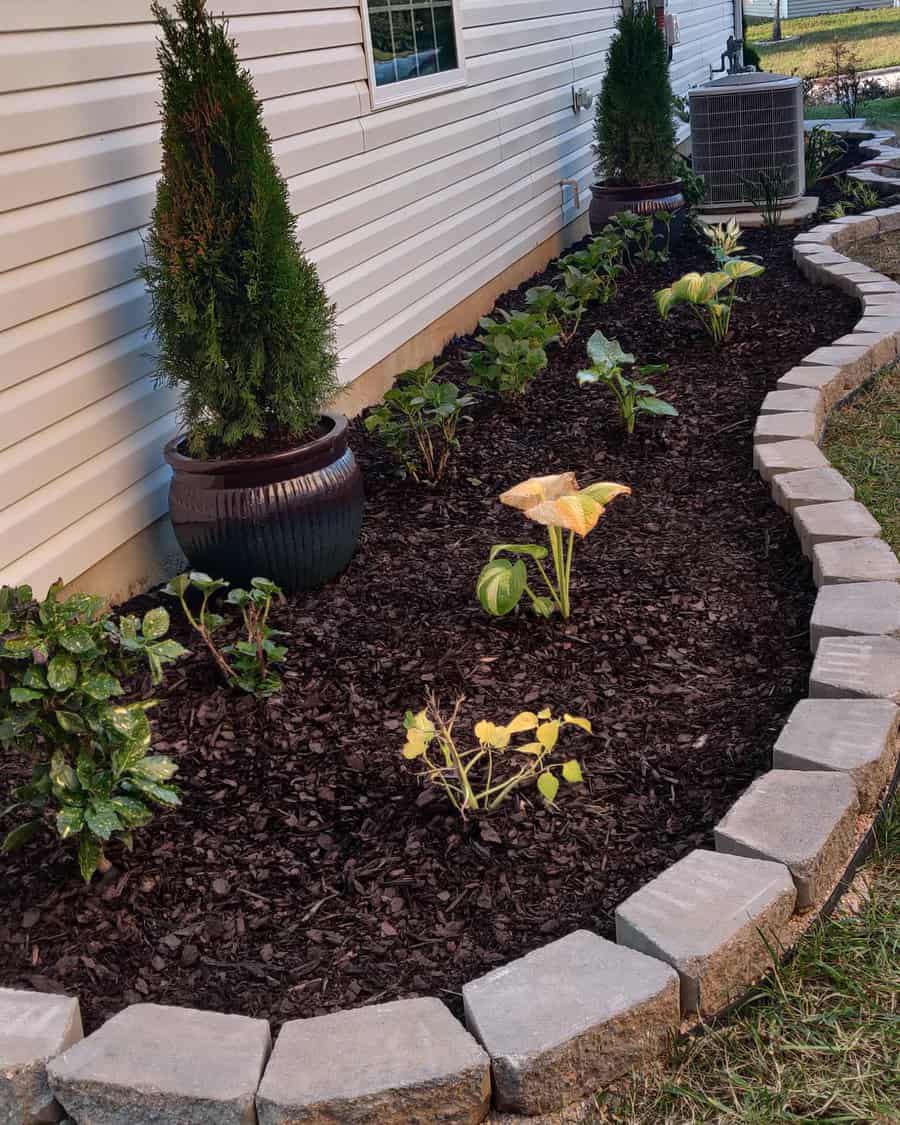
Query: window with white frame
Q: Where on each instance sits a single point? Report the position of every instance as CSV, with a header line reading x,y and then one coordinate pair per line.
x,y
414,48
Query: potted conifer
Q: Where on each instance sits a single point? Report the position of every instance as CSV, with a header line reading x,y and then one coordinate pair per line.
x,y
264,481
634,131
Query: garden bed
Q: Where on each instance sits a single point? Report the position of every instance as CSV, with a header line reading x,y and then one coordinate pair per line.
x,y
307,871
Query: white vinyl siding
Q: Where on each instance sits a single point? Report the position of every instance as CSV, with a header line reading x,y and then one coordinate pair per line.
x,y
794,9
406,211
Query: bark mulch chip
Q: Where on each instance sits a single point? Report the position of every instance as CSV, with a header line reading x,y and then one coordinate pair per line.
x,y
307,870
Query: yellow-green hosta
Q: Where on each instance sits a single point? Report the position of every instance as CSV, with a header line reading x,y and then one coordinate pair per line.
x,y
560,505
709,296
478,779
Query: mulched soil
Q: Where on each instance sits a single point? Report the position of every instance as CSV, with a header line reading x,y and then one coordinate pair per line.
x,y
307,870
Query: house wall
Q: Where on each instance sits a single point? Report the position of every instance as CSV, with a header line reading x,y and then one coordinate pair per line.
x,y
794,9
406,212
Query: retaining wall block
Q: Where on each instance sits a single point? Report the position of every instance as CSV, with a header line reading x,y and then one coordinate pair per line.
x,y
828,380
856,668
855,609
853,736
34,1028
810,486
826,523
773,458
803,399
152,1064
710,916
854,560
803,819
888,219
385,1064
567,1019
800,424
857,363
881,344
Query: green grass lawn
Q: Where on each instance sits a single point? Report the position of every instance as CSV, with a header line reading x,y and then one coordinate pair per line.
x,y
819,1040
873,35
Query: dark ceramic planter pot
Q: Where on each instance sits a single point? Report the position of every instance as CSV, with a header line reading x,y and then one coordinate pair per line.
x,y
609,200
292,516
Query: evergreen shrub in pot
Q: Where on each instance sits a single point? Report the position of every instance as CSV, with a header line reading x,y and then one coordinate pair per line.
x,y
264,480
634,131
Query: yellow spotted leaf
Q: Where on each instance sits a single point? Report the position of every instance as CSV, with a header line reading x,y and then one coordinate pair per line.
x,y
548,733
571,771
525,720
548,786
536,489
530,748
489,734
577,721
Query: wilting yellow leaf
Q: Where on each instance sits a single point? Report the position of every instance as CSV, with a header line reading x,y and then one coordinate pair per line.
x,y
530,748
416,744
536,489
545,714
577,721
549,786
604,491
571,771
492,735
548,733
525,720
576,512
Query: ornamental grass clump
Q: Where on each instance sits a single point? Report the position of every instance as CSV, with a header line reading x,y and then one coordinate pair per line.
x,y
561,506
243,325
479,779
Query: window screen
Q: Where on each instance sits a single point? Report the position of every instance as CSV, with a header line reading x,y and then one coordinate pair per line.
x,y
411,39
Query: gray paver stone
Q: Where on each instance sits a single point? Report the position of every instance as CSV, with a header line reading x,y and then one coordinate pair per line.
x,y
856,668
881,343
803,819
828,380
772,458
565,1020
855,609
854,560
810,486
801,424
826,523
34,1027
853,736
151,1064
790,401
408,1062
856,363
705,915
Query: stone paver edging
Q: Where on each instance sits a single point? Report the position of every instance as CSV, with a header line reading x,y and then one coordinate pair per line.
x,y
551,1027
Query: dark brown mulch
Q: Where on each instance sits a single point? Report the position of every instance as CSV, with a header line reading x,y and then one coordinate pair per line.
x,y
306,870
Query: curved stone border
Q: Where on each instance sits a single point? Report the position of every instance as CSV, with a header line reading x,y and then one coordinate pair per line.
x,y
580,1012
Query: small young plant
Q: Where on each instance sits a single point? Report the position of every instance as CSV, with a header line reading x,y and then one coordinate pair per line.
x,y
637,237
632,396
246,664
61,663
557,308
479,779
822,149
601,258
724,241
418,420
561,506
855,197
767,192
709,296
513,351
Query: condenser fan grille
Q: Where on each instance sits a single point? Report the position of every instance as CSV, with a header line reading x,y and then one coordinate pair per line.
x,y
740,132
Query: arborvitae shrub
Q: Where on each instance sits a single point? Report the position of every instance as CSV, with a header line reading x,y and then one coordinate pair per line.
x,y
244,327
635,135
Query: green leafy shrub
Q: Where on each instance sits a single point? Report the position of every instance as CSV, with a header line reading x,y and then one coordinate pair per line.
x,y
60,669
560,505
633,397
244,328
513,350
638,237
693,186
479,779
417,421
247,663
709,296
822,149
634,131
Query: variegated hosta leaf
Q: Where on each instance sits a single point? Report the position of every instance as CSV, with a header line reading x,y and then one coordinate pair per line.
x,y
603,351
578,512
665,299
711,284
604,491
738,268
536,489
500,586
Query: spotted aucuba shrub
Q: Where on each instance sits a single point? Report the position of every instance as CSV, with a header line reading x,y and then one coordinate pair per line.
x,y
504,757
61,667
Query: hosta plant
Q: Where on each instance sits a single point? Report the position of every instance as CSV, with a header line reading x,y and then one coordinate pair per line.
x,y
724,240
633,396
504,758
709,296
418,420
512,351
247,663
562,507
61,669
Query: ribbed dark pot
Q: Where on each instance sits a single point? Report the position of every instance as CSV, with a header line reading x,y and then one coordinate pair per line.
x,y
609,200
293,516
